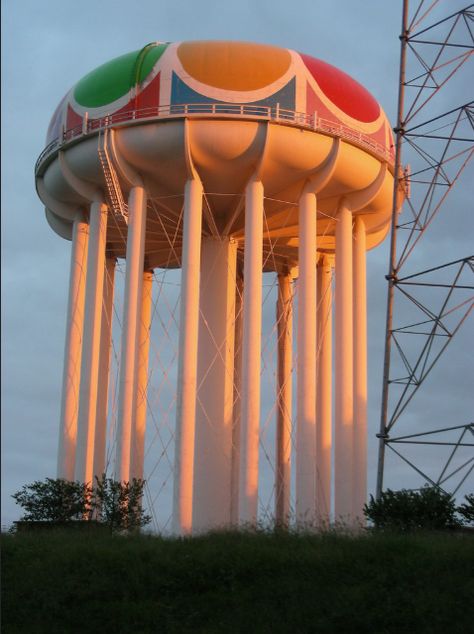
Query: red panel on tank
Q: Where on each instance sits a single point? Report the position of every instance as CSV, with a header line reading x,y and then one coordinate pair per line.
x,y
345,93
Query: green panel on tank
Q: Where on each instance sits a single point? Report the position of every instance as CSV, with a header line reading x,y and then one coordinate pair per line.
x,y
114,79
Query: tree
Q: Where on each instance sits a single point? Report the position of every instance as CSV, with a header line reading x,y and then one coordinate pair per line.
x,y
119,504
467,510
54,500
429,508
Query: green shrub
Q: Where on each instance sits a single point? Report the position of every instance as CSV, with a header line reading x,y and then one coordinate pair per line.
x,y
467,510
54,500
119,504
429,508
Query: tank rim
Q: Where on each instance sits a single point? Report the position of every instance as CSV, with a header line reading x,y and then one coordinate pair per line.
x,y
213,111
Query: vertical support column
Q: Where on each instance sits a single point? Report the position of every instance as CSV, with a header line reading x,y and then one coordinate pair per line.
x,y
91,346
251,349
104,364
284,316
344,368
306,364
138,433
324,390
73,350
130,329
234,496
213,445
187,361
359,477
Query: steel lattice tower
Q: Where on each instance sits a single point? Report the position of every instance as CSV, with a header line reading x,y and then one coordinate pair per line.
x,y
441,146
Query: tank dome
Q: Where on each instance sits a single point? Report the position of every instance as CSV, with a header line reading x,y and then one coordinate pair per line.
x,y
164,74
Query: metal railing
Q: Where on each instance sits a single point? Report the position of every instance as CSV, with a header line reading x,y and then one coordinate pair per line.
x,y
220,110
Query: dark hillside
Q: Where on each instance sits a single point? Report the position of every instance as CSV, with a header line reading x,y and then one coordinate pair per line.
x,y
246,583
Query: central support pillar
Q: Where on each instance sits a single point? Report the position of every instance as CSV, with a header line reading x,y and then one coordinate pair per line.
x,y
91,346
284,317
306,363
130,329
214,413
73,350
344,369
187,361
251,350
324,390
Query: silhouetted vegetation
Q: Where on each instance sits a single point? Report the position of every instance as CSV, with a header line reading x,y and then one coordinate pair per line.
x,y
428,508
116,505
54,500
256,582
119,504
466,510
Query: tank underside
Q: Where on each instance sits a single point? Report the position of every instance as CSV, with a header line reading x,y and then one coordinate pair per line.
x,y
226,154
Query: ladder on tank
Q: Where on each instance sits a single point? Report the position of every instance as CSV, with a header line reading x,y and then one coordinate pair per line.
x,y
114,191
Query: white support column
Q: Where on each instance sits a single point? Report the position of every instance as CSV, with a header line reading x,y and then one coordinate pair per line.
x,y
187,362
306,363
73,350
213,445
251,349
91,345
359,477
284,317
130,330
138,433
344,369
104,364
324,390
237,409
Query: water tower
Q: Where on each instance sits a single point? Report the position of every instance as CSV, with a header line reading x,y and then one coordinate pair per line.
x,y
269,161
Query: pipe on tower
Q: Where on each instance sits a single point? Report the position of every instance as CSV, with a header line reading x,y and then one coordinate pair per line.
x,y
139,429
251,349
306,363
187,361
73,349
234,495
104,365
324,390
344,368
137,205
359,477
84,464
284,319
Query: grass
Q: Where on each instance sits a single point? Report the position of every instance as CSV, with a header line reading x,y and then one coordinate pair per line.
x,y
238,582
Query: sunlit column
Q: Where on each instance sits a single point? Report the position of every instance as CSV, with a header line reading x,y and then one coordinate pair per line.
x,y
324,389
73,350
91,344
344,368
213,444
306,363
234,501
139,430
130,330
104,365
359,477
251,348
187,361
284,317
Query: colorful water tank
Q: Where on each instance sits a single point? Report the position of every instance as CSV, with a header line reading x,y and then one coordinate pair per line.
x,y
225,159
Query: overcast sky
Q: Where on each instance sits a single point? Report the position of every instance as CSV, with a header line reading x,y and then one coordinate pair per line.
x,y
49,46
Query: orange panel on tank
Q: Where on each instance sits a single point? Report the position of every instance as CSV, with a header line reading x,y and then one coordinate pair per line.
x,y
234,65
